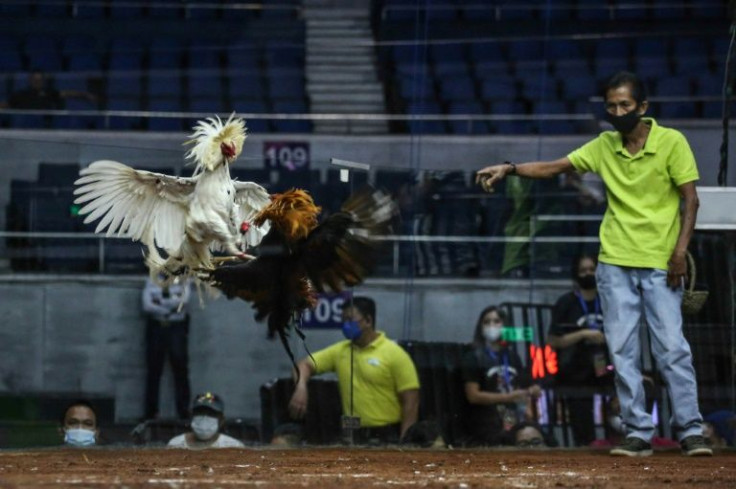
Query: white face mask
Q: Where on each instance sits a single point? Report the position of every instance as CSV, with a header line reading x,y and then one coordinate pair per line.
x,y
205,427
492,333
79,437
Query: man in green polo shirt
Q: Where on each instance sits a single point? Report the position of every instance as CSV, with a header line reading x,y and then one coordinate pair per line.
x,y
385,385
648,170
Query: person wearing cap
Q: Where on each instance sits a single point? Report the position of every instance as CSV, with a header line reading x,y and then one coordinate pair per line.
x,y
208,418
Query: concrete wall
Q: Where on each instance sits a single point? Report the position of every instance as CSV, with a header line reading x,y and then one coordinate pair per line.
x,y
85,335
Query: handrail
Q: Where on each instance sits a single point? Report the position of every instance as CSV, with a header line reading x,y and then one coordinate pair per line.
x,y
166,5
611,9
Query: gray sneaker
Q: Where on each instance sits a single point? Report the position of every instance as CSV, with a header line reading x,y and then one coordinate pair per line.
x,y
695,446
633,447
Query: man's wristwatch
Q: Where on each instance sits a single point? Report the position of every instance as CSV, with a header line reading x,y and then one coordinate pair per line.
x,y
513,167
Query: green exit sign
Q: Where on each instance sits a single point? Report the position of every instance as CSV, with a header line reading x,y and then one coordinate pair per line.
x,y
518,334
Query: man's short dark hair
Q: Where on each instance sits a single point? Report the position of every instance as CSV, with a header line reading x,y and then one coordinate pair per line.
x,y
366,306
638,91
78,402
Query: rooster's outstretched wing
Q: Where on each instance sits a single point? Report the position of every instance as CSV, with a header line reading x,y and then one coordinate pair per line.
x,y
138,204
250,199
342,250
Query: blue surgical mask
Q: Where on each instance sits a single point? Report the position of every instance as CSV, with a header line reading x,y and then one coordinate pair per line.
x,y
79,437
351,330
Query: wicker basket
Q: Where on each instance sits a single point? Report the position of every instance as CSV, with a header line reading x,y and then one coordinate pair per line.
x,y
692,300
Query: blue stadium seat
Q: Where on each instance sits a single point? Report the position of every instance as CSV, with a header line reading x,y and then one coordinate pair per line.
x,y
89,11
555,127
509,126
412,69
124,104
467,127
501,88
477,11
15,10
690,55
204,56
427,127
605,49
248,106
491,69
593,10
203,10
28,121
677,110
128,10
119,85
244,59
10,61
549,107
201,85
45,60
57,174
165,54
412,87
58,11
578,87
559,49
160,10
709,10
709,84
442,12
486,51
246,87
129,61
161,123
207,104
452,68
666,9
525,50
290,107
292,126
284,55
404,54
286,87
440,53
631,11
651,48
674,86
653,68
163,85
85,62
564,68
79,121
604,68
70,81
457,89
78,44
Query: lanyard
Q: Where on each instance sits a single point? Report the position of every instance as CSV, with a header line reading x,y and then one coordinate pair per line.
x,y
505,360
597,306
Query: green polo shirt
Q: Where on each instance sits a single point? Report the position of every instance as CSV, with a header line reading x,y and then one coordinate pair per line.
x,y
642,222
381,370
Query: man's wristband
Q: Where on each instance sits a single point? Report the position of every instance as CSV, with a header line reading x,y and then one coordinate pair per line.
x,y
513,167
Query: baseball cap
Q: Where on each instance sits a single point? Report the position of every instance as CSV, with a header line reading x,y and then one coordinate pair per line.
x,y
210,401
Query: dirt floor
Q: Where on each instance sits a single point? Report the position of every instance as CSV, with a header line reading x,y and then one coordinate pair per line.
x,y
351,468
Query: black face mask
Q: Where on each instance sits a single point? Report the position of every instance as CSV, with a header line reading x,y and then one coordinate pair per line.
x,y
624,123
586,282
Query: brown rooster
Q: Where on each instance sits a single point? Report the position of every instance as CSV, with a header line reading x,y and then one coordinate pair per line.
x,y
300,257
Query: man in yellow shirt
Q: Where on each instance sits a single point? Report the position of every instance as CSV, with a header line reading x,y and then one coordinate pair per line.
x,y
648,170
383,389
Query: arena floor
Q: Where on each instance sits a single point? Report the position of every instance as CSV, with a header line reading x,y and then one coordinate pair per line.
x,y
351,468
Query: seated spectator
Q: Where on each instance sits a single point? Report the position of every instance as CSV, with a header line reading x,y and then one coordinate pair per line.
x,y
497,385
577,335
383,391
208,418
40,95
79,425
528,435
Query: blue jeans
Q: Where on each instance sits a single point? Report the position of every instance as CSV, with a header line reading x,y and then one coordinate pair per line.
x,y
626,292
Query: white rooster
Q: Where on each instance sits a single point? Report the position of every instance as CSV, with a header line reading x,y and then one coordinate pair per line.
x,y
186,217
